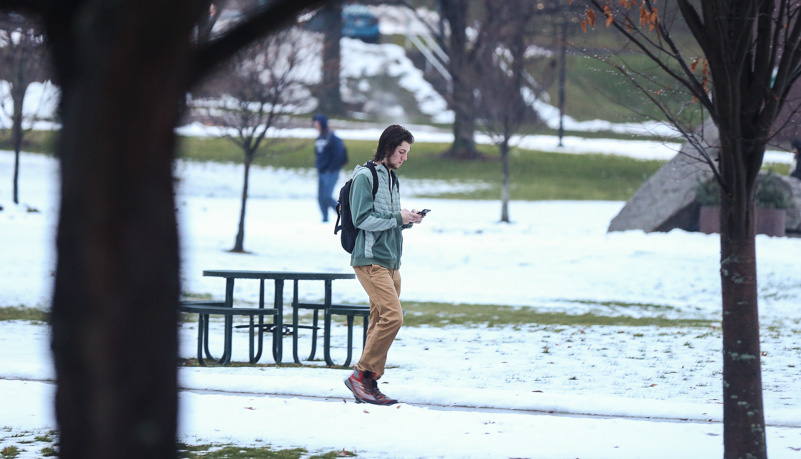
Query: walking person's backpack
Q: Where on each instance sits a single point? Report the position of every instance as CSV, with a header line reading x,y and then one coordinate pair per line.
x,y
349,232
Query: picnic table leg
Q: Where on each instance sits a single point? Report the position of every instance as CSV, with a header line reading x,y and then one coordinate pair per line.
x,y
365,326
255,354
327,324
201,338
350,340
315,320
229,322
205,326
295,322
278,328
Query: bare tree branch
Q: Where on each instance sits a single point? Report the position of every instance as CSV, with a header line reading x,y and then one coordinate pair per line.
x,y
272,16
642,42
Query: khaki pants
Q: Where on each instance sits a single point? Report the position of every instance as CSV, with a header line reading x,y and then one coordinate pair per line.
x,y
386,315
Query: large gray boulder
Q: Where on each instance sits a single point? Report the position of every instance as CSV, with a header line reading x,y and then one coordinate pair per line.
x,y
667,200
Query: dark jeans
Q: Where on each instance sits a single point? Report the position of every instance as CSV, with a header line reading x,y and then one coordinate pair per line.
x,y
326,182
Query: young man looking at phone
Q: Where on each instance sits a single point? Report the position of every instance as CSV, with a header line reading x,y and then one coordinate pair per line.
x,y
376,257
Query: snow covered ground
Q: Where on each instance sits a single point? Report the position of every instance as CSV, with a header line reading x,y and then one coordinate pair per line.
x,y
528,390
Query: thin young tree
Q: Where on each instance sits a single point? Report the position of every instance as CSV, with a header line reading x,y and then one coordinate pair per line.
x,y
22,63
504,93
258,90
124,68
750,59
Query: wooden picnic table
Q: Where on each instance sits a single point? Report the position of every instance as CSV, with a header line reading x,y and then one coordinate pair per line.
x,y
278,326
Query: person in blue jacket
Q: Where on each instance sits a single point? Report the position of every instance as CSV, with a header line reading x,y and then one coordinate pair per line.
x,y
795,169
330,156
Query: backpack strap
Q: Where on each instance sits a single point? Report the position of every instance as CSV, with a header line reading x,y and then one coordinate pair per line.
x,y
394,180
371,165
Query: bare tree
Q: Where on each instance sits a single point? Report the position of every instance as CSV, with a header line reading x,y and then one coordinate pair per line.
x,y
22,63
504,102
465,39
750,59
259,89
124,68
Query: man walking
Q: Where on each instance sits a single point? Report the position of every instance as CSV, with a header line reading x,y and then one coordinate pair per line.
x,y
795,169
330,156
376,257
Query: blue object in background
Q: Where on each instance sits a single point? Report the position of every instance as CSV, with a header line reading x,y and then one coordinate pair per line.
x,y
359,22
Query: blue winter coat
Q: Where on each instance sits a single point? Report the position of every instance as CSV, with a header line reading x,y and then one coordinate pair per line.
x,y
330,152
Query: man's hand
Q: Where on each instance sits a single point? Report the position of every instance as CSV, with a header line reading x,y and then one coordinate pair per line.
x,y
411,216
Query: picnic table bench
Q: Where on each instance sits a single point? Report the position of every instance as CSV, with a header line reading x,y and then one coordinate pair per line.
x,y
206,308
350,311
257,325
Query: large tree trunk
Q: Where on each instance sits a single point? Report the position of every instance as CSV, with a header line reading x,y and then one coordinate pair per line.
x,y
114,309
124,68
464,121
743,414
329,95
463,101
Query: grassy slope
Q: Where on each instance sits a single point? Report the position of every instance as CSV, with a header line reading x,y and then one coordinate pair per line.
x,y
535,175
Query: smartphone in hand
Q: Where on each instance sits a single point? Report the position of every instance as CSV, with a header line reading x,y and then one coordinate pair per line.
x,y
424,211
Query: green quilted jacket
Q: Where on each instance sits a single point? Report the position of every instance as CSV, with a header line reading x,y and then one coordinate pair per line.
x,y
380,241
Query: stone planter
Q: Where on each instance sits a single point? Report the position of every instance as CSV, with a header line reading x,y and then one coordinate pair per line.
x,y
770,222
709,219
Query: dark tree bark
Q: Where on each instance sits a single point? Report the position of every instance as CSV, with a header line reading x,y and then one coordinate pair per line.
x,y
743,412
124,68
329,95
114,316
462,70
751,60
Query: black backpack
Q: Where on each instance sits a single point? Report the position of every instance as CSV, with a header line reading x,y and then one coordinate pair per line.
x,y
349,232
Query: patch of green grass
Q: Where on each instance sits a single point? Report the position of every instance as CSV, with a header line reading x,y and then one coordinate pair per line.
x,y
624,305
28,440
23,313
442,314
9,452
535,175
594,90
197,296
226,451
32,141
49,437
